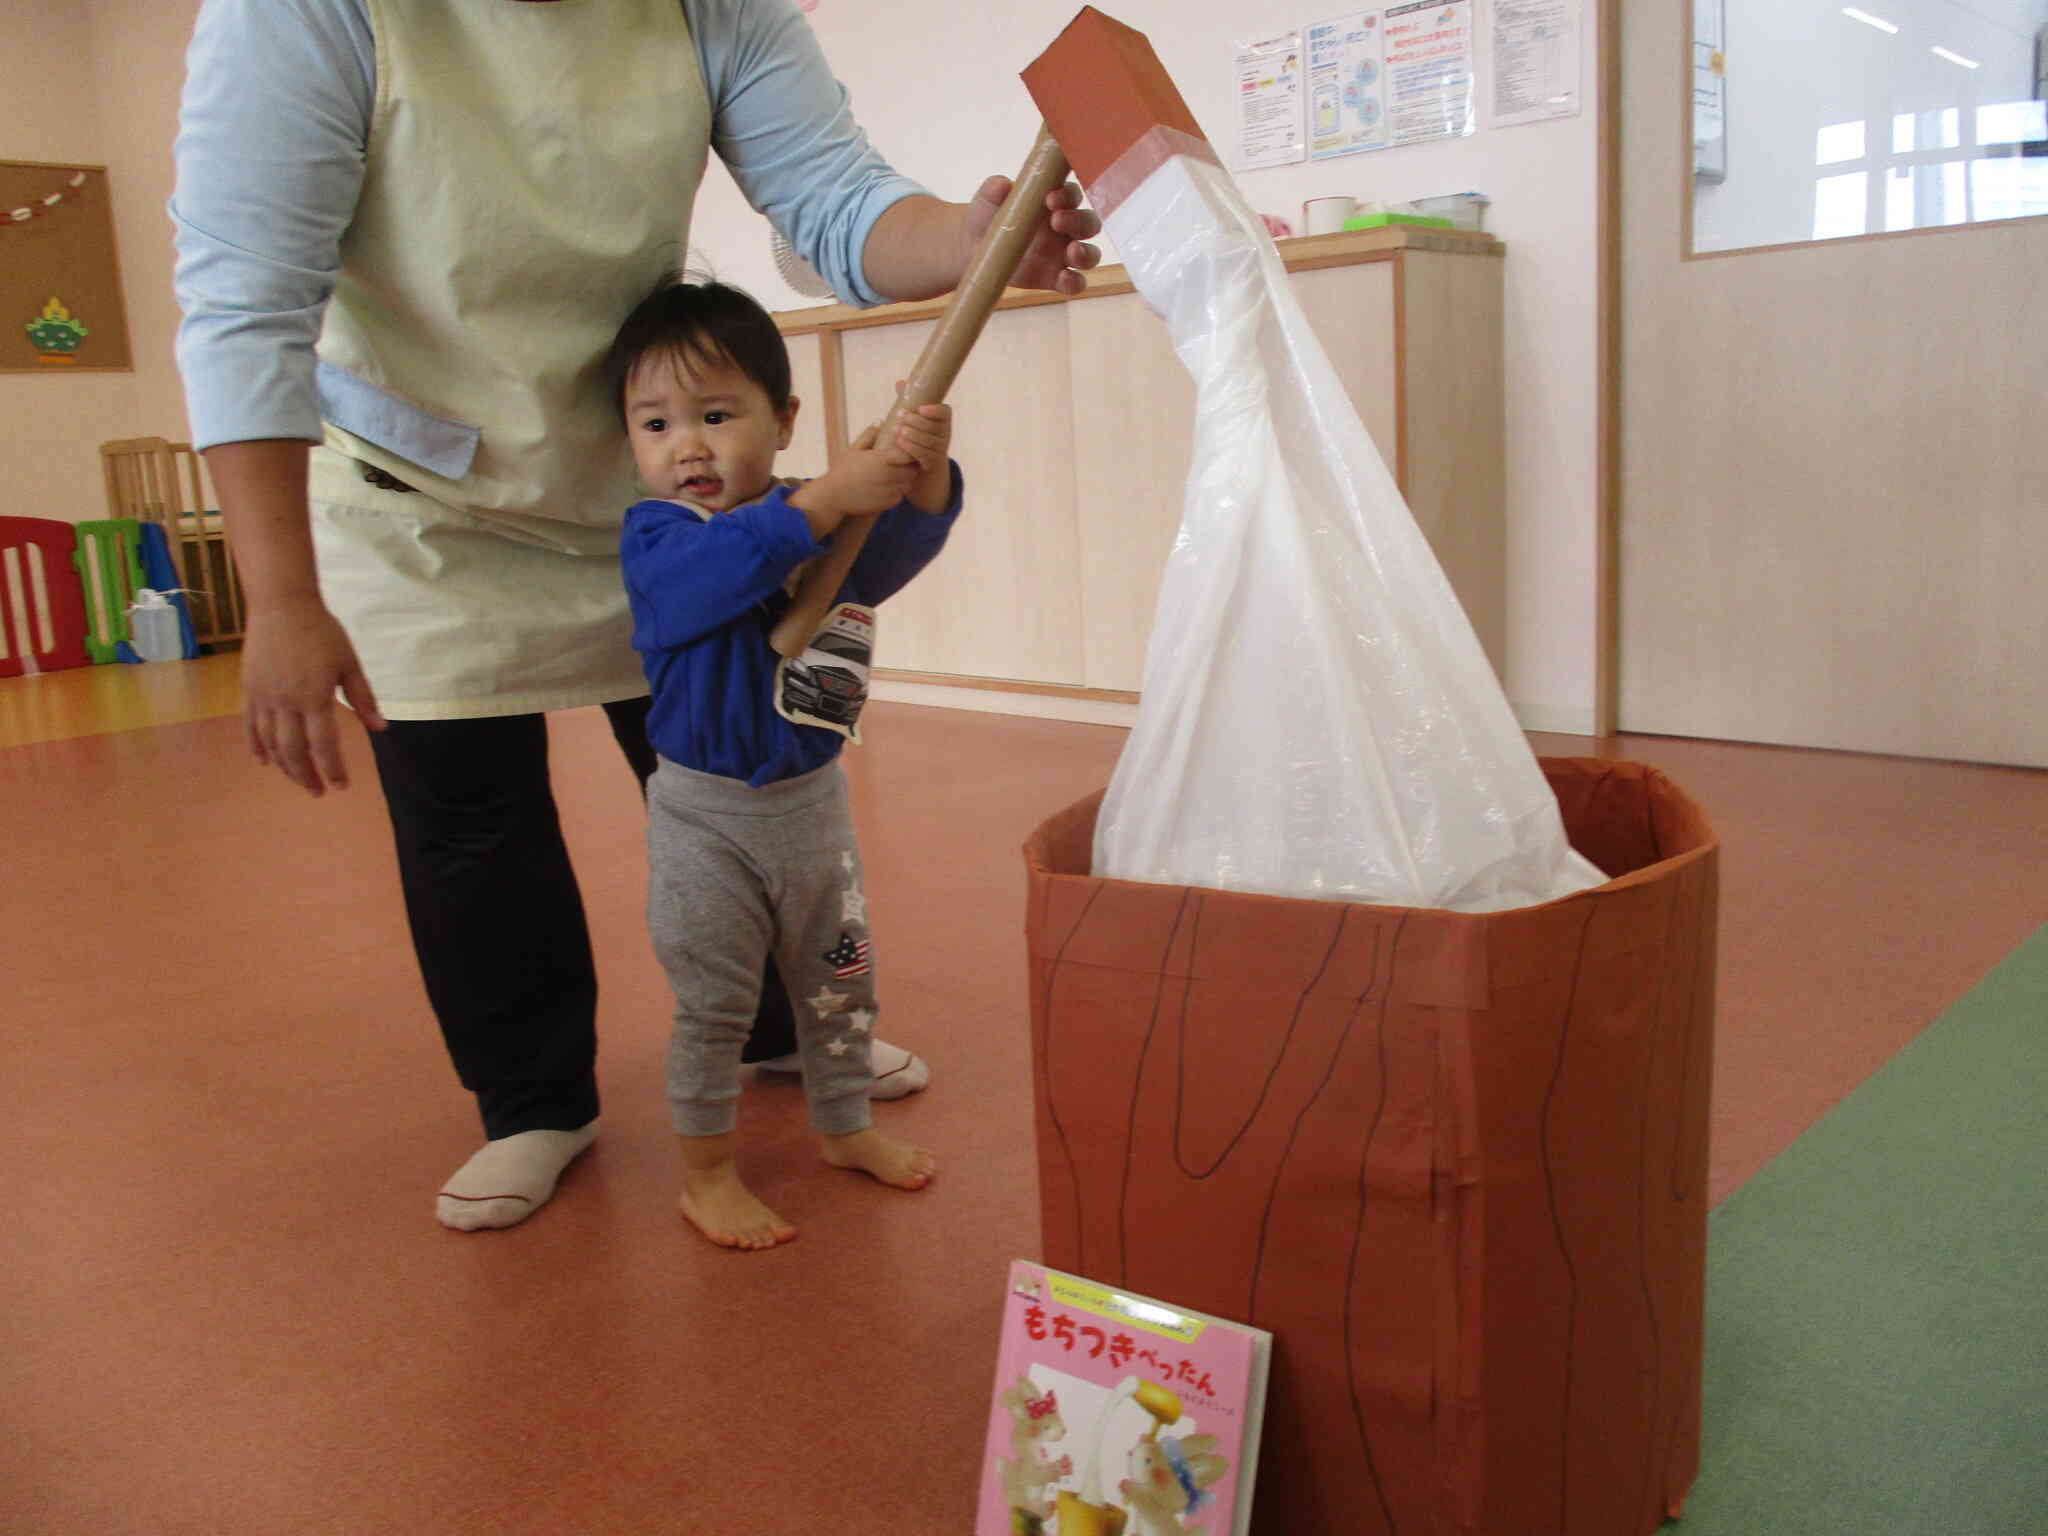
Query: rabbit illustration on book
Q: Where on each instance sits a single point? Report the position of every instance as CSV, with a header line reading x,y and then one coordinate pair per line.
x,y
1027,1480
1170,1477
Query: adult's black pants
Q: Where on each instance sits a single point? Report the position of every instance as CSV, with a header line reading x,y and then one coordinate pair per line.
x,y
497,919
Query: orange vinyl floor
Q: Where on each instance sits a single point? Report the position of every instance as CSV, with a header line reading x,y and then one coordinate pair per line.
x,y
230,1310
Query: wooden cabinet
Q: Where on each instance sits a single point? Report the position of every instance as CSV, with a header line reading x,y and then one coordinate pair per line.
x,y
1004,600
1074,422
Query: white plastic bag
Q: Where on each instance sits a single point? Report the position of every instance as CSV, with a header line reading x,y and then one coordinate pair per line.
x,y
1318,717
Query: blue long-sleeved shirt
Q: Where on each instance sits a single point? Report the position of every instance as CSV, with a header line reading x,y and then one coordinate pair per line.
x,y
705,596
274,128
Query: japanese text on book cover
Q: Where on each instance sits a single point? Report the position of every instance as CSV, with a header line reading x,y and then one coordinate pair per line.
x,y
1117,1415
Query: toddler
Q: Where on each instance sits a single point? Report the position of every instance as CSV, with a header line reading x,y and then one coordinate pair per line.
x,y
750,837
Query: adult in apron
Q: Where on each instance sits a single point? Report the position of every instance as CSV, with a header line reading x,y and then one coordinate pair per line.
x,y
462,200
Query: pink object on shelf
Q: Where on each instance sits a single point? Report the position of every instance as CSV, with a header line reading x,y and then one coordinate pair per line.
x,y
1276,226
42,602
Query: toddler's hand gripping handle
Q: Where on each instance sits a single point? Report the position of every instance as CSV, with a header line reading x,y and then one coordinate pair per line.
x,y
1002,246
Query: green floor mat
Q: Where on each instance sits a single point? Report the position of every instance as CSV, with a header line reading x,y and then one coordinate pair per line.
x,y
1877,1298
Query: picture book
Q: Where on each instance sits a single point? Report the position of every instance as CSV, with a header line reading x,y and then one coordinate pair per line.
x,y
1117,1415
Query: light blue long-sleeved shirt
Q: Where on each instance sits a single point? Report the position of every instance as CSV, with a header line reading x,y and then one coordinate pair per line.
x,y
270,150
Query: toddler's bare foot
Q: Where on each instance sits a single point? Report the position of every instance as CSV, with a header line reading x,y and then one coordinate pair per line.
x,y
717,1204
896,1163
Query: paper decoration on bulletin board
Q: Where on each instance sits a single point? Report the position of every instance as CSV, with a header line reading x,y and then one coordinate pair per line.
x,y
61,309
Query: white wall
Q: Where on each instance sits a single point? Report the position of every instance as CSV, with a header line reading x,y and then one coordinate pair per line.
x,y
141,55
936,87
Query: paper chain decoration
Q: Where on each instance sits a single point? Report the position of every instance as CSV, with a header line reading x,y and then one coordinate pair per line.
x,y
37,209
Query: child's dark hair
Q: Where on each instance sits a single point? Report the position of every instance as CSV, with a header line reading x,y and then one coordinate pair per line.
x,y
702,324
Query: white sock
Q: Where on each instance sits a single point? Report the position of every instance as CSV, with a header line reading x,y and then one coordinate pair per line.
x,y
898,1073
509,1179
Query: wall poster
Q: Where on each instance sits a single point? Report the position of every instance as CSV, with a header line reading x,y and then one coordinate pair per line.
x,y
1535,61
1347,86
1269,76
1390,75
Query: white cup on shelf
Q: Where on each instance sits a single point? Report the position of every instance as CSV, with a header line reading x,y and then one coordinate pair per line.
x,y
1326,215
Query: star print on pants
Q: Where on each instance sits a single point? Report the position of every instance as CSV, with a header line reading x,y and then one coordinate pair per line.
x,y
853,906
861,1020
828,1002
837,1047
848,958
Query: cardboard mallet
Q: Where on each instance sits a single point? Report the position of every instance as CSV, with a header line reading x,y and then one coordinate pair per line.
x,y
1001,248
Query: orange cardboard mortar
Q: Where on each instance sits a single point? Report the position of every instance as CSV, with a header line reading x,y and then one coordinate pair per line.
x,y
1455,1163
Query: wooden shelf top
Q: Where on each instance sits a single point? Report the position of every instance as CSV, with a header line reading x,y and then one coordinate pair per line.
x,y
1301,253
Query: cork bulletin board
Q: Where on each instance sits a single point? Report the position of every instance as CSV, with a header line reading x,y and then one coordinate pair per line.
x,y
60,275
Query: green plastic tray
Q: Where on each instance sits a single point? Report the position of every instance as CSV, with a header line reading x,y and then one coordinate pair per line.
x,y
1382,220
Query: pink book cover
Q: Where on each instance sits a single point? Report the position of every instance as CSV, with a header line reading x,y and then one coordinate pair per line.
x,y
1117,1415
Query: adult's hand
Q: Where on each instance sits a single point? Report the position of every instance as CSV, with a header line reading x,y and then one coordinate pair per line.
x,y
1059,253
295,655
920,247
865,481
294,652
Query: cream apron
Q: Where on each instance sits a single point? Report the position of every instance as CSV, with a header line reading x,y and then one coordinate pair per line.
x,y
529,180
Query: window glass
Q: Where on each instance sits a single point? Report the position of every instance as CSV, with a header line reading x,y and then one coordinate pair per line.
x,y
1822,121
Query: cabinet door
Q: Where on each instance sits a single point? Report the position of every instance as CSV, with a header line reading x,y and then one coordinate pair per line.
x,y
809,452
1134,432
1075,424
1453,400
1351,311
1004,600
1417,347
1134,408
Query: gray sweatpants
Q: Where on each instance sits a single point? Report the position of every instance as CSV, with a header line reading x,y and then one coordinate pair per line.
x,y
737,874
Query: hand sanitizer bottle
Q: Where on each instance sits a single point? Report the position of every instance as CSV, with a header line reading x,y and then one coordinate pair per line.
x,y
153,626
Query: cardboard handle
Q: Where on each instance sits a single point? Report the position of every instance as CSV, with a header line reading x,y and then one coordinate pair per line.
x,y
938,365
